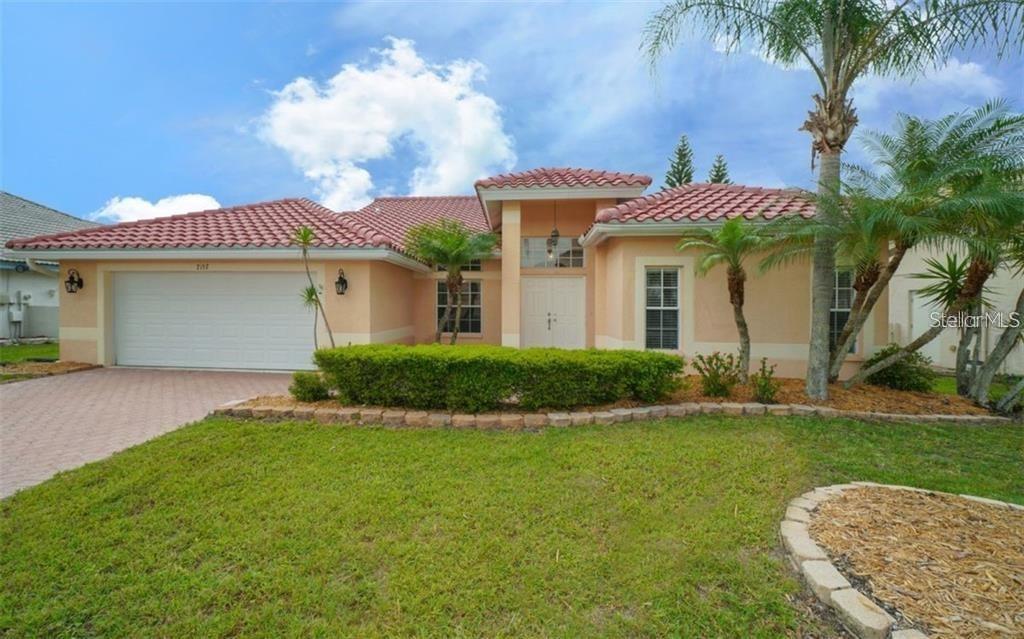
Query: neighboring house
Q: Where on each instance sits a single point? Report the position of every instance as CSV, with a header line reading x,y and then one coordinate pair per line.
x,y
220,289
911,314
28,291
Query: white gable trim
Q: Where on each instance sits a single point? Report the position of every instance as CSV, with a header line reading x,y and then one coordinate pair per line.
x,y
601,231
495,194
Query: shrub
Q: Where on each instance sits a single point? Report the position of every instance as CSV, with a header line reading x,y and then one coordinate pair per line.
x,y
308,387
912,373
480,378
765,386
718,373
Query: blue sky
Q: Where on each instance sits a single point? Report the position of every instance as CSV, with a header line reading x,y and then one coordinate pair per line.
x,y
132,110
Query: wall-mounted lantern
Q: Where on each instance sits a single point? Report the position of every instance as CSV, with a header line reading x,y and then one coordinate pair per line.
x,y
553,238
74,282
341,284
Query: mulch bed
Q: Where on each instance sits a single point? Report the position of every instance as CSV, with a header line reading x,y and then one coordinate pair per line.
x,y
950,566
42,369
284,401
863,398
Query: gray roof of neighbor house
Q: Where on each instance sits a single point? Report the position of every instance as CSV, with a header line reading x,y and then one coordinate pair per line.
x,y
24,218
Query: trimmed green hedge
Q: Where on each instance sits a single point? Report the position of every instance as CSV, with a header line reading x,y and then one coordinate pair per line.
x,y
480,378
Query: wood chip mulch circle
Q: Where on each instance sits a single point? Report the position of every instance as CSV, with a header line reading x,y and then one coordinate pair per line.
x,y
950,566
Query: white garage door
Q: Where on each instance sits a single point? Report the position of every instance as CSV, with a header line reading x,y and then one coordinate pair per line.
x,y
212,320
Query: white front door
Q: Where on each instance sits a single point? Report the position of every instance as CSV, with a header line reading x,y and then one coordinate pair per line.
x,y
553,311
212,320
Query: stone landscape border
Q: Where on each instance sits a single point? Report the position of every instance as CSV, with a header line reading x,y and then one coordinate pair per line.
x,y
859,614
520,421
24,377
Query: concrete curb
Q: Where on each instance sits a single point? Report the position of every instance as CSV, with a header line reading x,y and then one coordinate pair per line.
x,y
397,417
859,614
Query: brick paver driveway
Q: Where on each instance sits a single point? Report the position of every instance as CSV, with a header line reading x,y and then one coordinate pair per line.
x,y
55,423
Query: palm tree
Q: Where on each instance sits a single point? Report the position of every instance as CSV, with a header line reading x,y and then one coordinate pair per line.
x,y
858,234
986,238
947,278
1012,335
841,41
927,186
448,244
729,244
304,237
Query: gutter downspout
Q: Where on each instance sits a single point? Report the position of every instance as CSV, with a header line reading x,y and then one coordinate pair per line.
x,y
35,267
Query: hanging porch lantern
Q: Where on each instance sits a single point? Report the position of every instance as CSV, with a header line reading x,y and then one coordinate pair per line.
x,y
553,238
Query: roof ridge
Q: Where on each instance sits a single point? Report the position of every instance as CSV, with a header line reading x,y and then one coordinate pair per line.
x,y
48,208
152,220
645,204
561,174
364,231
421,197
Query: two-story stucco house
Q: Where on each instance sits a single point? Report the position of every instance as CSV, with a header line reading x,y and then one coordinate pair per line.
x,y
220,289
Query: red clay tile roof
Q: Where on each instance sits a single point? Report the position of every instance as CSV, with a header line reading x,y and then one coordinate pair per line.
x,y
708,202
565,178
394,216
266,224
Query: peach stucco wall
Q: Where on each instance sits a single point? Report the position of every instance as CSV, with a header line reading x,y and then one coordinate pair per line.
x,y
425,299
375,308
777,305
388,303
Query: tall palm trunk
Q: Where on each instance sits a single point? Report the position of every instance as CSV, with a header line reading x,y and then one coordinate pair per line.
x,y
830,125
978,273
823,267
737,278
859,315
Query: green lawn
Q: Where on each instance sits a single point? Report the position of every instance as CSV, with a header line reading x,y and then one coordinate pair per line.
x,y
21,352
946,384
653,529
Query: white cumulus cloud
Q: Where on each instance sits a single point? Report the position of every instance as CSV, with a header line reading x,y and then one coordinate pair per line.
x,y
956,80
331,129
129,209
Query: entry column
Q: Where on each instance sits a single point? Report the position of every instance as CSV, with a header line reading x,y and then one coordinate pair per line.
x,y
510,282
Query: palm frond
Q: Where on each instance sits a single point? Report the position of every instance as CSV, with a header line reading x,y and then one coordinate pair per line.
x,y
449,244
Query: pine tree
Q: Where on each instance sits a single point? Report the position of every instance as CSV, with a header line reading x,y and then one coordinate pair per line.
x,y
680,171
719,173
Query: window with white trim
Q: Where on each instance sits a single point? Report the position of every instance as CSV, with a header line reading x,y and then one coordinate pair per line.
x,y
474,265
568,253
842,302
472,307
661,308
